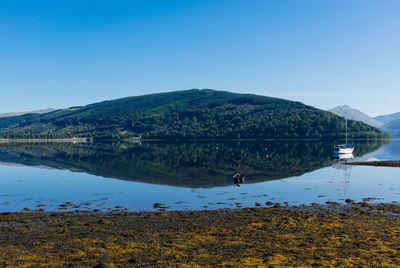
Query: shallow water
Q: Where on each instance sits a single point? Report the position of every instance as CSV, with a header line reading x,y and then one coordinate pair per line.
x,y
191,175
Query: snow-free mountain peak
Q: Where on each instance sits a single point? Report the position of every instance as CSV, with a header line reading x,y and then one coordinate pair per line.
x,y
355,114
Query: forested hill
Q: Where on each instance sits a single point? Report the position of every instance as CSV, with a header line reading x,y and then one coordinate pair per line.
x,y
189,114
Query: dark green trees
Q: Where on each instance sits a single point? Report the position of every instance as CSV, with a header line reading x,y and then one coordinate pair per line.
x,y
190,114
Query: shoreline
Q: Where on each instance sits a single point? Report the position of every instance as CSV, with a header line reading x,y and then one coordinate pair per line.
x,y
3,140
74,140
316,235
375,163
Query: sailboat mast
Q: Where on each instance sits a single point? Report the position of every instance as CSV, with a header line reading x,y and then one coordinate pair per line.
x,y
346,129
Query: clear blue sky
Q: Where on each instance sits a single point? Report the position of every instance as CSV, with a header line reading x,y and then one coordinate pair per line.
x,y
323,53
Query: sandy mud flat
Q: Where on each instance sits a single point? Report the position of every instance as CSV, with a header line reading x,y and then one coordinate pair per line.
x,y
330,235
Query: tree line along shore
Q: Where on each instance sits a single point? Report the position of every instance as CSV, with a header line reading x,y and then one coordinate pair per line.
x,y
46,140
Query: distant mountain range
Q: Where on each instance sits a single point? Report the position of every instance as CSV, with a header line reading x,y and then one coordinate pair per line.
x,y
187,114
31,112
393,128
392,124
388,123
386,119
354,114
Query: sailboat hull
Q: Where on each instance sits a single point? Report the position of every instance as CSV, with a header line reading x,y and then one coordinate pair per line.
x,y
344,151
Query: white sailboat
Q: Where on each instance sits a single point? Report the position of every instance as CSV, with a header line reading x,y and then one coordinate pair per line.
x,y
342,148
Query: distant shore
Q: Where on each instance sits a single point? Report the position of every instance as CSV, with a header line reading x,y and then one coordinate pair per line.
x,y
45,140
376,163
137,139
356,234
266,139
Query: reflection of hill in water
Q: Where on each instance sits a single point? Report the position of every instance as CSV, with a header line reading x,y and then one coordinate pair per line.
x,y
393,149
389,151
191,164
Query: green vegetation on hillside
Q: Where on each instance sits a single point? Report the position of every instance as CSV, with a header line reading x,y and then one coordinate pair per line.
x,y
190,114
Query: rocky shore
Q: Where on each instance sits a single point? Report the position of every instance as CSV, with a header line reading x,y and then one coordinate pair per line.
x,y
331,235
375,163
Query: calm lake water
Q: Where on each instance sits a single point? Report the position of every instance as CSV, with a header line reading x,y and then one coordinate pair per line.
x,y
190,175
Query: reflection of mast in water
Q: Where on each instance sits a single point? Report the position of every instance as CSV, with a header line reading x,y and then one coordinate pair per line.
x,y
339,164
